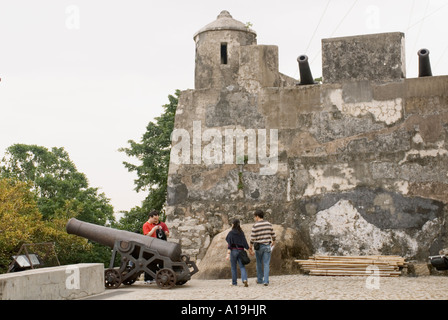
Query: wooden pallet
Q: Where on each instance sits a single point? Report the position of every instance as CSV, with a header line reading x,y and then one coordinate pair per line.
x,y
384,266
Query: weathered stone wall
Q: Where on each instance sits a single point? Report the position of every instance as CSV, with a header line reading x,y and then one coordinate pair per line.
x,y
362,164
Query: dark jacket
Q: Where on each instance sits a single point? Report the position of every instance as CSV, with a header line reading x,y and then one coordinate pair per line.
x,y
236,239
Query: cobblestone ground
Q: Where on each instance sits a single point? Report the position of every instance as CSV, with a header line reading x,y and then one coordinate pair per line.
x,y
291,287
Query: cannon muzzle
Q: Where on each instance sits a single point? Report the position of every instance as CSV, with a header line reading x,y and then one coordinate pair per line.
x,y
424,66
305,73
108,236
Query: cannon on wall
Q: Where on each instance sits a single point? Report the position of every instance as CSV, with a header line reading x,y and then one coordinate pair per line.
x,y
424,66
162,260
305,72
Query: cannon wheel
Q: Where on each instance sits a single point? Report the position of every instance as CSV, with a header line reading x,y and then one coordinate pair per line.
x,y
166,278
112,278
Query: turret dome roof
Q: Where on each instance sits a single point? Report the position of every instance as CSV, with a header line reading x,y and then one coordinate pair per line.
x,y
225,21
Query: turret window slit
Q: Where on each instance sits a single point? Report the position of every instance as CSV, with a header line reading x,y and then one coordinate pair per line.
x,y
224,53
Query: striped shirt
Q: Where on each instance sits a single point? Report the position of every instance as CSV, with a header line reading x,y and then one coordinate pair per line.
x,y
262,232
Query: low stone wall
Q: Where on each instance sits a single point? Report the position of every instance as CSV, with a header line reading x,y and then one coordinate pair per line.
x,y
56,283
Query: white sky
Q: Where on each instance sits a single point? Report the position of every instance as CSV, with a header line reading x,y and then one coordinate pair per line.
x,y
89,75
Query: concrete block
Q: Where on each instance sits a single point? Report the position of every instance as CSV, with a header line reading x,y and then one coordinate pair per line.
x,y
56,283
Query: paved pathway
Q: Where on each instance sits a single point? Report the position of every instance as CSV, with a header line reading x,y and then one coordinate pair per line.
x,y
291,287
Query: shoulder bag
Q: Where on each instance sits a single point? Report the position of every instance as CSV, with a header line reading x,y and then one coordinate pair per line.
x,y
244,257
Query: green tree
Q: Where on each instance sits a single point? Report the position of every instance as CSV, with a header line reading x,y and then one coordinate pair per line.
x,y
56,181
22,223
60,192
133,220
153,153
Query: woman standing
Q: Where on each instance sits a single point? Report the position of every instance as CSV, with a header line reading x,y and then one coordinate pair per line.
x,y
236,241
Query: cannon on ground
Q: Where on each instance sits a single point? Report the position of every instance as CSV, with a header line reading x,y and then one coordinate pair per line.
x,y
162,260
305,72
424,66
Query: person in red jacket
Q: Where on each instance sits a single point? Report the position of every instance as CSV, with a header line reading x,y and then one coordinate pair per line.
x,y
155,228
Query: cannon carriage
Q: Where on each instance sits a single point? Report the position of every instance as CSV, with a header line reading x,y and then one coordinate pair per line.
x,y
162,260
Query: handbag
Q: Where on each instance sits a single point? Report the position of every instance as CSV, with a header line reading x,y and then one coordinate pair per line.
x,y
244,257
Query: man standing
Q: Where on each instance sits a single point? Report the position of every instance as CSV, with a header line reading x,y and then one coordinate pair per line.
x,y
262,239
155,228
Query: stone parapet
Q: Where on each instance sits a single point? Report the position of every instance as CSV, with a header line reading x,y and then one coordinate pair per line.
x,y
375,57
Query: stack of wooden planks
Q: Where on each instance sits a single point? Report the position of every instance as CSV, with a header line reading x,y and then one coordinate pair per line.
x,y
384,266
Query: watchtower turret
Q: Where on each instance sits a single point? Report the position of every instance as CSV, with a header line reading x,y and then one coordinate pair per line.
x,y
217,51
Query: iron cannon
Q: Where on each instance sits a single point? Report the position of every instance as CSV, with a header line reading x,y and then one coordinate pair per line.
x,y
162,260
424,66
305,72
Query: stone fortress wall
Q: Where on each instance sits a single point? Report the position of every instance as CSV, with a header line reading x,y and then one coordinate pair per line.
x,y
356,165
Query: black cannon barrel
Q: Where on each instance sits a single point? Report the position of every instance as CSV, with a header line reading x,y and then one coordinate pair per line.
x,y
107,236
424,66
305,72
